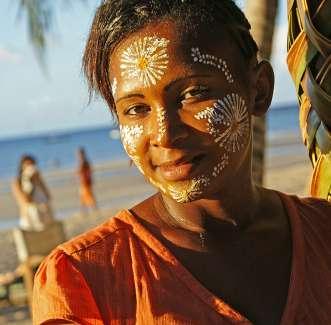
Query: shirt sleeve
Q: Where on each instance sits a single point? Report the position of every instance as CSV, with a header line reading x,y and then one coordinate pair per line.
x,y
61,294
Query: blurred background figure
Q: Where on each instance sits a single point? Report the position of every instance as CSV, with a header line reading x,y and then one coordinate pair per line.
x,y
32,196
87,199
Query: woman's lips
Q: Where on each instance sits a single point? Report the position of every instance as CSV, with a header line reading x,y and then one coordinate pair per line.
x,y
179,171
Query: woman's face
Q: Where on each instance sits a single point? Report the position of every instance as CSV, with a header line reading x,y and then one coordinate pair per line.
x,y
27,163
184,109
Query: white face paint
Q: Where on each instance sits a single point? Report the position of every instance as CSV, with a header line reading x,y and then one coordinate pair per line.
x,y
229,113
236,121
190,190
213,61
146,59
161,117
227,120
228,123
184,191
130,135
114,87
224,161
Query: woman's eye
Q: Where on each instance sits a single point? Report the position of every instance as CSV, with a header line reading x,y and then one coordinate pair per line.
x,y
194,93
137,110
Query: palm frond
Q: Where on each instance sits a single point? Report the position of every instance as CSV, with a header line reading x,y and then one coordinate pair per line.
x,y
40,16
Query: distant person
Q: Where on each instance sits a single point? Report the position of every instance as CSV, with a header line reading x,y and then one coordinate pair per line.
x,y
32,196
87,199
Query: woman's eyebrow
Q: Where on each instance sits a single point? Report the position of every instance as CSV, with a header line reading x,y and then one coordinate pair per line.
x,y
183,78
130,96
167,87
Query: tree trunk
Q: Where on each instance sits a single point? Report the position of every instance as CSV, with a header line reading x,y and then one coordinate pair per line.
x,y
262,16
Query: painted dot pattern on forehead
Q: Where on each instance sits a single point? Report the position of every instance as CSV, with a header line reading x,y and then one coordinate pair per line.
x,y
191,191
130,135
213,61
145,59
228,122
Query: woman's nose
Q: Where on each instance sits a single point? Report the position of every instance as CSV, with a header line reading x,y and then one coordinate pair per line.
x,y
167,129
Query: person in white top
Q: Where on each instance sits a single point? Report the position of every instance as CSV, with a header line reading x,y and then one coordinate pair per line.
x,y
32,196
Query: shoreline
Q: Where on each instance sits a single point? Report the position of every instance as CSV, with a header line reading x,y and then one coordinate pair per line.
x,y
274,140
63,185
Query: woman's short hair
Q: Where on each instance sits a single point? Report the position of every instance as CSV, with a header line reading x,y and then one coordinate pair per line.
x,y
24,158
116,19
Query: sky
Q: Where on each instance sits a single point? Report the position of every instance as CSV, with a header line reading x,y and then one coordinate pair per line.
x,y
32,103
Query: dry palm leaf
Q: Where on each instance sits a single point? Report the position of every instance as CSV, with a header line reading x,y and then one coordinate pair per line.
x,y
309,62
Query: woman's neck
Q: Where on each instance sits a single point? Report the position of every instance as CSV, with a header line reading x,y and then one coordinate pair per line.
x,y
234,210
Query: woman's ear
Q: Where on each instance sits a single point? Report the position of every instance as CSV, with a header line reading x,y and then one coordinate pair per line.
x,y
264,87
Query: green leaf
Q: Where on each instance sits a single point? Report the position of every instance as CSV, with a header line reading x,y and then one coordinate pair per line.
x,y
40,16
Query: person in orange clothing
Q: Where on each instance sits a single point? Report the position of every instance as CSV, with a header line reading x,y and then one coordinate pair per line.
x,y
210,247
87,199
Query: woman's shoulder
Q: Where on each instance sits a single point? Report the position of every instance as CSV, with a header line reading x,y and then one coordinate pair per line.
x,y
311,215
84,270
315,214
81,254
311,207
311,228
103,236
306,206
318,203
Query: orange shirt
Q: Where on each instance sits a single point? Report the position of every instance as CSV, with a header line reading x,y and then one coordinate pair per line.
x,y
119,273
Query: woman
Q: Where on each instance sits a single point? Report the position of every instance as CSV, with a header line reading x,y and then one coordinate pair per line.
x,y
210,247
32,196
84,172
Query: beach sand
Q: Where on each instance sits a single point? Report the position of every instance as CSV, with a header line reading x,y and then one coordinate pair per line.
x,y
118,186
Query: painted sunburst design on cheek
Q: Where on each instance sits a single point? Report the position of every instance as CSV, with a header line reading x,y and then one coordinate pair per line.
x,y
146,59
213,61
114,87
190,190
236,121
161,117
228,122
130,136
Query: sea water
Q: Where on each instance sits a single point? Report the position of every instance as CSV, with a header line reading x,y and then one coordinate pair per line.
x,y
58,150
